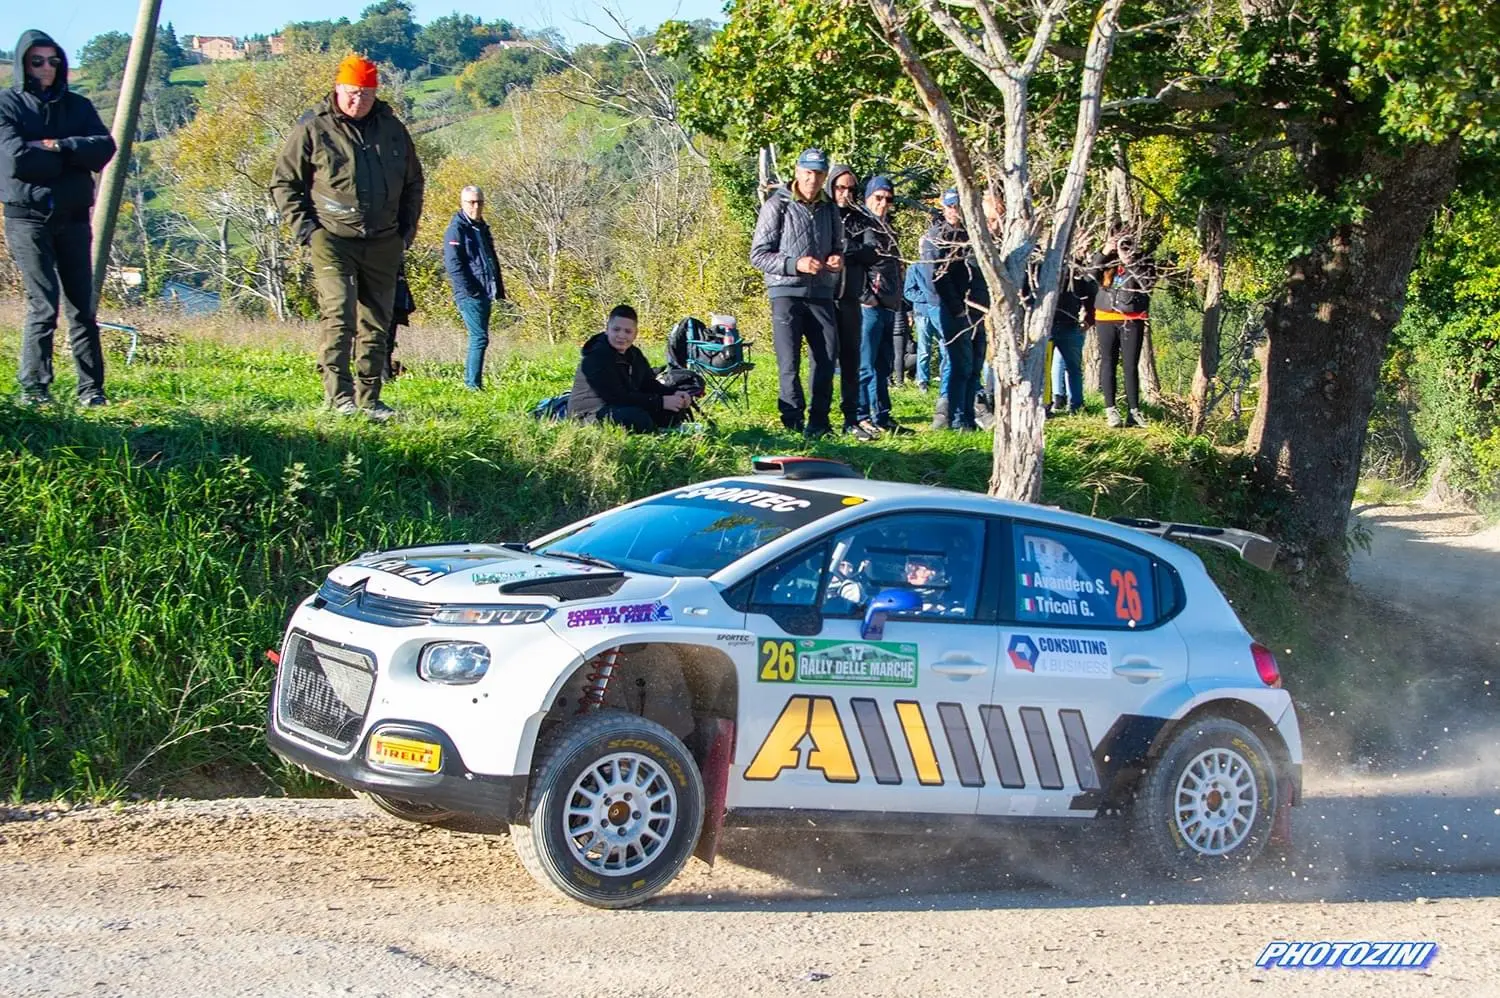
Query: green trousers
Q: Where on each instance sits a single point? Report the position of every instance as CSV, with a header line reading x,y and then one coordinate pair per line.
x,y
356,284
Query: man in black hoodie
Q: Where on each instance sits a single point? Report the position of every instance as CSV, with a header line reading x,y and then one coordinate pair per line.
x,y
615,384
51,145
843,190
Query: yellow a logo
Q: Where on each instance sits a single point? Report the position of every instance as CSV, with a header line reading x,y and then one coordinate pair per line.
x,y
806,717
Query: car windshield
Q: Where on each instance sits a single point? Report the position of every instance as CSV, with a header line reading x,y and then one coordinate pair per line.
x,y
697,531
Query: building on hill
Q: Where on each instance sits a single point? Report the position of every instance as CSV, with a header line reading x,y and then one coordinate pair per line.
x,y
216,48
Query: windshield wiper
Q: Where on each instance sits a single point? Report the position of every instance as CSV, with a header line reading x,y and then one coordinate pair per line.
x,y
586,559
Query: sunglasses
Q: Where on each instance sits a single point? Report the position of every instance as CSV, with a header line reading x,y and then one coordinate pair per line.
x,y
38,61
880,196
844,187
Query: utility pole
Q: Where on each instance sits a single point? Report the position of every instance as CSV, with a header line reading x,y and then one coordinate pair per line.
x,y
112,183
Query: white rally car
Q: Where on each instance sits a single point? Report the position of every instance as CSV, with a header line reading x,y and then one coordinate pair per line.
x,y
800,642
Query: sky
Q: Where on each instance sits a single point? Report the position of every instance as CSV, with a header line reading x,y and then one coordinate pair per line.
x,y
74,22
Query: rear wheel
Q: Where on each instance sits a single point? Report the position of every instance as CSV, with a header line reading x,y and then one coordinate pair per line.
x,y
408,810
615,810
1207,805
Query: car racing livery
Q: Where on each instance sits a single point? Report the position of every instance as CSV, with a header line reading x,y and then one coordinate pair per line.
x,y
799,643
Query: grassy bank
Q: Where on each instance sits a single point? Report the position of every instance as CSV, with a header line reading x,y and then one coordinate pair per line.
x,y
150,552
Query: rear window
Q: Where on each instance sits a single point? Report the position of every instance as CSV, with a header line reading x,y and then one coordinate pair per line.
x,y
1079,580
699,530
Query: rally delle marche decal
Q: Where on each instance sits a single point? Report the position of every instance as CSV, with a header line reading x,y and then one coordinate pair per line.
x,y
840,663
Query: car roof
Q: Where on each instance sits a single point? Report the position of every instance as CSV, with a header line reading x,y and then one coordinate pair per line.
x,y
887,496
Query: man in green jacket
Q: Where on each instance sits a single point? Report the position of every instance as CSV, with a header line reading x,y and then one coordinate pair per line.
x,y
348,183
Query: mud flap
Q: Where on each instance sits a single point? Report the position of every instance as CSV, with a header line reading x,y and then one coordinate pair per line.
x,y
715,773
1281,824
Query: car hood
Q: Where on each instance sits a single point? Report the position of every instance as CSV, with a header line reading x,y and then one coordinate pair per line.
x,y
487,573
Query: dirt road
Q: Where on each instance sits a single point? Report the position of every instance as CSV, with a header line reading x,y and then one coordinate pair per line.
x,y
312,898
309,898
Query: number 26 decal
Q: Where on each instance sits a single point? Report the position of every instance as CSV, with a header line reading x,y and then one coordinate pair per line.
x,y
778,662
1127,595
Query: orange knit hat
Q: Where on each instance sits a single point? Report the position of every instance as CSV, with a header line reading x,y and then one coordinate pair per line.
x,y
357,71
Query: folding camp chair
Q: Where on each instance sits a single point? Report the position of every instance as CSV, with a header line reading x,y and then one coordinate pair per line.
x,y
722,359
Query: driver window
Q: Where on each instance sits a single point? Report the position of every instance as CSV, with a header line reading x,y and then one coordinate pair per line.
x,y
936,557
793,581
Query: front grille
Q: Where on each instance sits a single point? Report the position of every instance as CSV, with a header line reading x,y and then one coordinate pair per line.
x,y
355,602
324,690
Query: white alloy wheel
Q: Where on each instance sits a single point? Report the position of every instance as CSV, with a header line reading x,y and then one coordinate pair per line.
x,y
620,813
1216,802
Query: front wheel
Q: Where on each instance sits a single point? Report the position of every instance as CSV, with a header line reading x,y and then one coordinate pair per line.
x,y
1208,803
408,810
615,810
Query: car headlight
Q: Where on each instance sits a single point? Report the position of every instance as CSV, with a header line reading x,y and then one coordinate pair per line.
x,y
454,662
491,615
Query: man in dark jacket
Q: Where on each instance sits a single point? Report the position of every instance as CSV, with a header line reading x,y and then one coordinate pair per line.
x,y
843,188
349,185
946,277
474,271
51,145
1075,313
615,384
799,246
880,300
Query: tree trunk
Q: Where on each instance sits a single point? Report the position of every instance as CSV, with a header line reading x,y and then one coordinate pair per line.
x,y
1213,249
1150,380
1016,469
1328,336
1091,363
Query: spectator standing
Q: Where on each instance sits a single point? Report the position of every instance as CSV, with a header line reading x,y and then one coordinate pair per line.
x,y
51,145
349,185
945,280
916,296
401,310
1075,313
880,301
799,246
474,271
843,188
1122,306
615,384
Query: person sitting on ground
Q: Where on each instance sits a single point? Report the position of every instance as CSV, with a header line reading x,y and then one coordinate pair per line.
x,y
615,384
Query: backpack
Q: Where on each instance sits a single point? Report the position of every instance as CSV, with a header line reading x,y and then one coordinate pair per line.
x,y
682,380
677,340
552,409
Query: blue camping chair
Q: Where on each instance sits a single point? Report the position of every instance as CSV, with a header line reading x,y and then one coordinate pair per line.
x,y
724,366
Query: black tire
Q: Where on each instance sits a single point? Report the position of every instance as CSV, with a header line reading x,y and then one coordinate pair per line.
x,y
1185,830
408,810
654,843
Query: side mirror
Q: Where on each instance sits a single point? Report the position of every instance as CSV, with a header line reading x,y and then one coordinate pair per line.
x,y
887,602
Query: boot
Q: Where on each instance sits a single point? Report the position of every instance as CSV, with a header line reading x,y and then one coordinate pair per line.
x,y
940,414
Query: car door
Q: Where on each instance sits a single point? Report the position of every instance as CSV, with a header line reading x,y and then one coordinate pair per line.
x,y
1086,644
838,717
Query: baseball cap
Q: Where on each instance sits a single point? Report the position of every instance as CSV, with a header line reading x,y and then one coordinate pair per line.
x,y
950,198
879,182
813,159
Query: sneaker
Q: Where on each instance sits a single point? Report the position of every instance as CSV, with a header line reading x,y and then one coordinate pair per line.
x,y
1136,418
346,407
922,387
36,397
965,428
93,401
859,432
1112,416
379,412
870,426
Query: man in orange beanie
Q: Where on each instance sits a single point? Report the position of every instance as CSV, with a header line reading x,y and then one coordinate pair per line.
x,y
348,183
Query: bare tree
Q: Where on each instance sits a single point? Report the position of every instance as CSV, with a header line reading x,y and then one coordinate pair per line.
x,y
1032,238
647,95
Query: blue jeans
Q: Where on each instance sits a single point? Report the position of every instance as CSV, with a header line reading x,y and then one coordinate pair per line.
x,y
923,327
476,313
959,376
1067,367
876,359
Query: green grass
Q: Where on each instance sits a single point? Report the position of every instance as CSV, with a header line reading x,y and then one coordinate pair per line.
x,y
151,552
433,85
195,75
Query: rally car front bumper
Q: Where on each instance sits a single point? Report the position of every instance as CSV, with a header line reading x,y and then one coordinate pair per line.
x,y
453,787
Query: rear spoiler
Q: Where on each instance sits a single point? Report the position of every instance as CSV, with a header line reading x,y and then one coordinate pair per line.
x,y
1257,550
